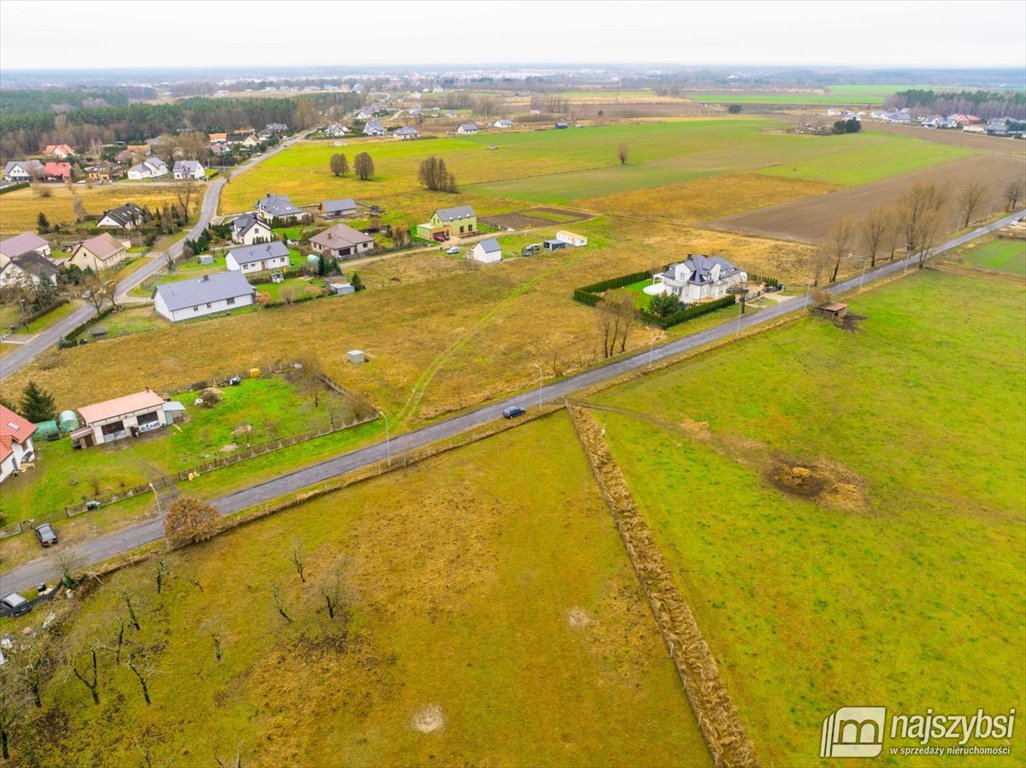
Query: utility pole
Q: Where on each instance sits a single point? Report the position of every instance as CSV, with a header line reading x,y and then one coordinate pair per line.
x,y
388,444
539,384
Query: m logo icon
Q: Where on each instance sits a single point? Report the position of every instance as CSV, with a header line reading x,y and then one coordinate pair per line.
x,y
853,732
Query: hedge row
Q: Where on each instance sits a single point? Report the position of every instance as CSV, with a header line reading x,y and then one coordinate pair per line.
x,y
618,282
70,340
12,187
265,277
688,313
771,282
297,300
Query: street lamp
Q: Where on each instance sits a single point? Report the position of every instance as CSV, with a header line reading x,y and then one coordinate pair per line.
x,y
539,384
388,444
865,263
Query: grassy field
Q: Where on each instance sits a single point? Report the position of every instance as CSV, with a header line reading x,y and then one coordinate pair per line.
x,y
524,640
10,314
19,209
1002,255
889,567
790,97
259,410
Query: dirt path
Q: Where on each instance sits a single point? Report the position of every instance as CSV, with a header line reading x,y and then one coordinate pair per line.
x,y
718,718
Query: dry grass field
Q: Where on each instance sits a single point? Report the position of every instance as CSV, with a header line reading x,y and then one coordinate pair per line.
x,y
19,209
522,639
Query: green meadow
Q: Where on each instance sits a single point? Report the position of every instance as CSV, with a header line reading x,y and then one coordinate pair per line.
x,y
899,582
1001,255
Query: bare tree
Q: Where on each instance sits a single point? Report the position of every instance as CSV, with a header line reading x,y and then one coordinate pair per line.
x,y
969,199
839,242
89,676
127,597
227,763
189,520
160,573
740,291
623,304
278,603
71,564
119,639
334,595
921,210
622,153
136,663
297,560
339,164
35,670
13,704
1013,194
874,231
364,166
184,192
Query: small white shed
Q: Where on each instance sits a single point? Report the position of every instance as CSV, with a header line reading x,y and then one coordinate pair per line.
x,y
571,238
356,356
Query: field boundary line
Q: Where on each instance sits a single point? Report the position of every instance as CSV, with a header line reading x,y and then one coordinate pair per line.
x,y
718,719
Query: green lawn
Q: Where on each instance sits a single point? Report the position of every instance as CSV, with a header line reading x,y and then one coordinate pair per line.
x,y
1002,255
272,407
527,633
11,315
904,586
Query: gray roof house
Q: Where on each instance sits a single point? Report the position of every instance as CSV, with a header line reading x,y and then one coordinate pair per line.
x,y
201,296
487,251
259,257
22,170
467,128
373,128
248,229
188,169
272,206
333,209
701,278
341,242
26,241
455,213
30,265
406,133
127,216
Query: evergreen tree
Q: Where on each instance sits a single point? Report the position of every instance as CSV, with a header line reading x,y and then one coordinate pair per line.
x,y
42,223
37,404
356,282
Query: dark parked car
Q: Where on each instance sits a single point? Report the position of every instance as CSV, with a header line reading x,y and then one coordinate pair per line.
x,y
512,412
46,534
15,604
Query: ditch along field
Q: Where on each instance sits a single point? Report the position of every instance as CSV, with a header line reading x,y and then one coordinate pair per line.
x,y
19,209
524,639
845,516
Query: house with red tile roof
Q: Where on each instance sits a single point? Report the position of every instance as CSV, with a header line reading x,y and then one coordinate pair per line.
x,y
15,442
60,151
57,171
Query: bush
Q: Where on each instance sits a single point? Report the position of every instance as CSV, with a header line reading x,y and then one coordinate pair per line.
x,y
687,313
664,305
190,520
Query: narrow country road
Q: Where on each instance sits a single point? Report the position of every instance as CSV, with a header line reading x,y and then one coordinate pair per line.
x,y
17,359
104,547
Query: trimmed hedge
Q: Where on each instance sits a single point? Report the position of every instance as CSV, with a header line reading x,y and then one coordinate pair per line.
x,y
688,313
771,282
617,282
13,187
265,277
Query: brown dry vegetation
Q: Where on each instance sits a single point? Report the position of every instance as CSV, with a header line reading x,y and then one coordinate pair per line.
x,y
810,219
457,333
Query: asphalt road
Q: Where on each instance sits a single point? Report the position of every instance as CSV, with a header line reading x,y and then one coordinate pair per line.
x,y
104,547
26,353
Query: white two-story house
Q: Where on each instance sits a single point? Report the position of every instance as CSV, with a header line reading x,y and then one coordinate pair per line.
x,y
699,278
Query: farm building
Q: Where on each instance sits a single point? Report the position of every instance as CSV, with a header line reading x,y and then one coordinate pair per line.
x,y
467,129
446,222
699,278
272,206
487,251
570,238
15,442
127,216
337,209
341,242
553,245
99,253
201,296
258,257
835,310
247,229
339,286
127,416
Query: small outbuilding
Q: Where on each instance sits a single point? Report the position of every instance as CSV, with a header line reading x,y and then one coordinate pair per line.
x,y
835,310
68,421
487,251
554,245
356,356
572,238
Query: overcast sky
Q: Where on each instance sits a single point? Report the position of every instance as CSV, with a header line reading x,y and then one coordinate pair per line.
x,y
155,33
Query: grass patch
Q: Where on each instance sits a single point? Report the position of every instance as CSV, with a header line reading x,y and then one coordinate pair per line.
x,y
1002,255
528,631
10,315
19,209
916,553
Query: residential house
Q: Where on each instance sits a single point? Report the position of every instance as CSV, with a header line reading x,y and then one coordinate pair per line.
x,y
22,170
150,168
407,133
104,173
570,238
188,169
561,125
276,128
217,138
99,253
700,278
15,442
248,229
338,209
111,420
335,131
60,151
250,141
127,216
258,258
373,128
57,172
219,149
486,251
503,123
272,206
341,242
467,128
139,149
29,267
205,295
446,222
23,243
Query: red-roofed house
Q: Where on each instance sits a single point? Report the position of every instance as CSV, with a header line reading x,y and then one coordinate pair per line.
x,y
15,442
119,418
60,151
57,171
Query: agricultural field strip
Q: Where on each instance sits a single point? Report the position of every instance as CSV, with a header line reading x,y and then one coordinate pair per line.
x,y
102,548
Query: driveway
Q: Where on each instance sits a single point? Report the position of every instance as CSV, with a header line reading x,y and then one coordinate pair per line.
x,y
104,547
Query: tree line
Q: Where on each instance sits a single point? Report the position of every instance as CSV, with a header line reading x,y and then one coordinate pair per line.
x,y
985,104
